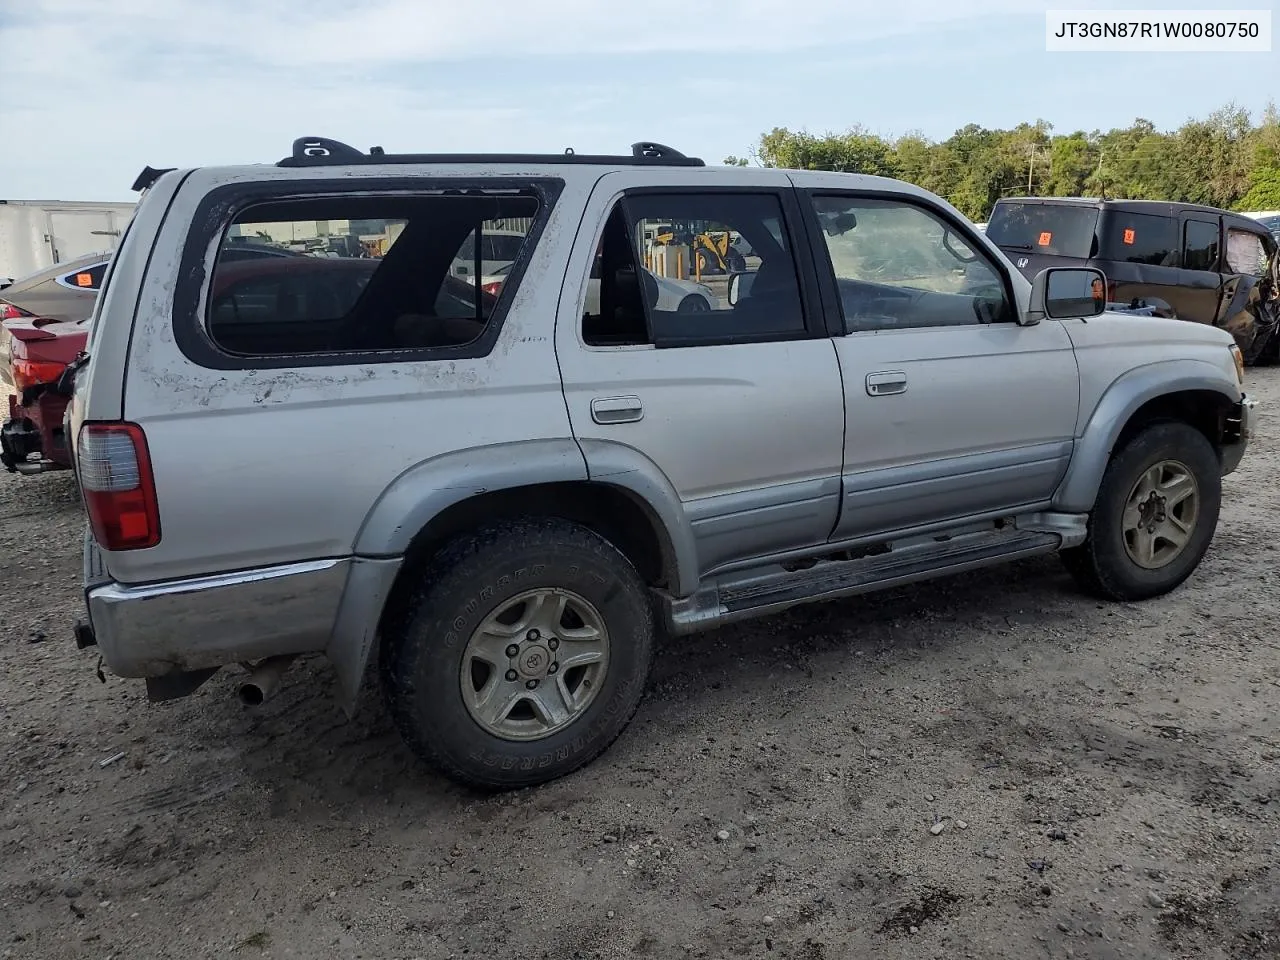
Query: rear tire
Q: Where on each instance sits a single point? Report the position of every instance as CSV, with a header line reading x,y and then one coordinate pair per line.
x,y
1154,516
577,616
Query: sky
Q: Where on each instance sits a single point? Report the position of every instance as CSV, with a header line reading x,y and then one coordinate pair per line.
x,y
91,91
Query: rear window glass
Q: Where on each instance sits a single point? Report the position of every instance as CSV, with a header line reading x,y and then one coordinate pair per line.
x,y
1053,229
1140,238
355,274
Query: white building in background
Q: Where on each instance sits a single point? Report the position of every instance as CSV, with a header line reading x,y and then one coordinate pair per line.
x,y
35,234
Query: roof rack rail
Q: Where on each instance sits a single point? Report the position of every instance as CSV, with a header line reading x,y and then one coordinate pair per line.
x,y
323,152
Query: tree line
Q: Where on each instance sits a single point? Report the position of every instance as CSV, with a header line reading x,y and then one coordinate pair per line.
x,y
1224,160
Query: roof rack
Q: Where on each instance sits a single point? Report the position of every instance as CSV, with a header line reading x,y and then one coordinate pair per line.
x,y
323,152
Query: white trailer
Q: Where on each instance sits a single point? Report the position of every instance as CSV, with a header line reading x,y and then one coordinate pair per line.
x,y
35,234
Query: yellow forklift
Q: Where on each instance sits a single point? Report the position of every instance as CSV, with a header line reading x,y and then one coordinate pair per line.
x,y
711,252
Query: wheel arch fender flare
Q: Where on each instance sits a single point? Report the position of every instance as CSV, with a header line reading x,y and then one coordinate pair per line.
x,y
1126,395
424,490
428,487
619,465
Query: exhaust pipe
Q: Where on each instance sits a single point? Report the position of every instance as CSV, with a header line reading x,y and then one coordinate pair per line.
x,y
264,680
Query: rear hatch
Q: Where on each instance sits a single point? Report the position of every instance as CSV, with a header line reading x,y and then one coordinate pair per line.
x,y
1036,234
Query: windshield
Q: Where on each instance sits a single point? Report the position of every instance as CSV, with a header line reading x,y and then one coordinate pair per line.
x,y
1056,229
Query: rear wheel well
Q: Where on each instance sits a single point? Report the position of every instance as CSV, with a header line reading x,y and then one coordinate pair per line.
x,y
616,514
1206,410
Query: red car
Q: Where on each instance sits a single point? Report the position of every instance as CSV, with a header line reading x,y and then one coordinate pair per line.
x,y
34,351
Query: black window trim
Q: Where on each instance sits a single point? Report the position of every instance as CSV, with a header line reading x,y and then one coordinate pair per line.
x,y
219,208
794,233
836,321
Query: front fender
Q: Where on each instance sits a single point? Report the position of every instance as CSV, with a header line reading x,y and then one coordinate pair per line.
x,y
1121,400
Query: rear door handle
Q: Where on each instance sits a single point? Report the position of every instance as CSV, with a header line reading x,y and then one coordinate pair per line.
x,y
886,382
616,409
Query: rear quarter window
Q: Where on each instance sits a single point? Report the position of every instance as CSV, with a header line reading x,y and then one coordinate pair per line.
x,y
337,276
1139,238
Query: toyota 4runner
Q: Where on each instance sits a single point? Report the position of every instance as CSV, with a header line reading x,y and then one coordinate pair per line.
x,y
506,489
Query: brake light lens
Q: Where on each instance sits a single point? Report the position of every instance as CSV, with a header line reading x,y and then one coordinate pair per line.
x,y
113,465
28,373
9,312
492,287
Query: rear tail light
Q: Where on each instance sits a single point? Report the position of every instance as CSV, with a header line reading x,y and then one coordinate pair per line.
x,y
27,373
492,287
114,469
1111,291
9,312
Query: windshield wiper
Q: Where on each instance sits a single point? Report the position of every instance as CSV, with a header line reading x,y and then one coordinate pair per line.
x,y
1018,246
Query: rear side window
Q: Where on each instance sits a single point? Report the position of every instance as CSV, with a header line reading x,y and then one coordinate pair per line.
x,y
1200,245
1053,229
1140,238
667,272
356,274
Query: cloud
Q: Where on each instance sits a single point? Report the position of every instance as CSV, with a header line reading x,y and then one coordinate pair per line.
x,y
355,33
94,90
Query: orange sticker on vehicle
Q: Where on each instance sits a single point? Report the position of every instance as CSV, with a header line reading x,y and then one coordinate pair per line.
x,y
1128,236
84,280
1045,238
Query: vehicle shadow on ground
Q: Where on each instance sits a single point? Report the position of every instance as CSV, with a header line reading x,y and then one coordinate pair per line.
x,y
301,748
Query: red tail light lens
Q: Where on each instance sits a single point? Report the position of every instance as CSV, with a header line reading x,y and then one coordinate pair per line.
x,y
9,312
492,287
114,469
27,373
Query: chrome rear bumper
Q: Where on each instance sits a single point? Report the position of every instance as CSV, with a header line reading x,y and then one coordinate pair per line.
x,y
192,624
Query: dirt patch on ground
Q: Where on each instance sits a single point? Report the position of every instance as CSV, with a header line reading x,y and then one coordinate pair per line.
x,y
1106,777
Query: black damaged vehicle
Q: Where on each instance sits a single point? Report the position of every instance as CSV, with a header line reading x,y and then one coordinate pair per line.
x,y
1160,259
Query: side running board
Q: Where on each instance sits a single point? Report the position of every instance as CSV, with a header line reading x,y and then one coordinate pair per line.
x,y
753,593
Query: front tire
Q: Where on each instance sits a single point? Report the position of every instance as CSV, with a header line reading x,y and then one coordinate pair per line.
x,y
693,303
1154,517
522,656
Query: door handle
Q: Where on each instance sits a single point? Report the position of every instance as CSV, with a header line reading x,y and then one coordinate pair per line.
x,y
886,382
616,409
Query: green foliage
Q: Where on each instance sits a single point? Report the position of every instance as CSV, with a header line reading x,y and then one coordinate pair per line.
x,y
1224,160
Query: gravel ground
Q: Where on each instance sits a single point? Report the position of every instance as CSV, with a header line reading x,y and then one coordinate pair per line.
x,y
990,766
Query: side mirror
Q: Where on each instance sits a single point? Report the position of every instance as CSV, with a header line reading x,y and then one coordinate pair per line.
x,y
1066,293
739,286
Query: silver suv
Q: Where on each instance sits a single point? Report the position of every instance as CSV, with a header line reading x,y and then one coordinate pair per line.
x,y
508,482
